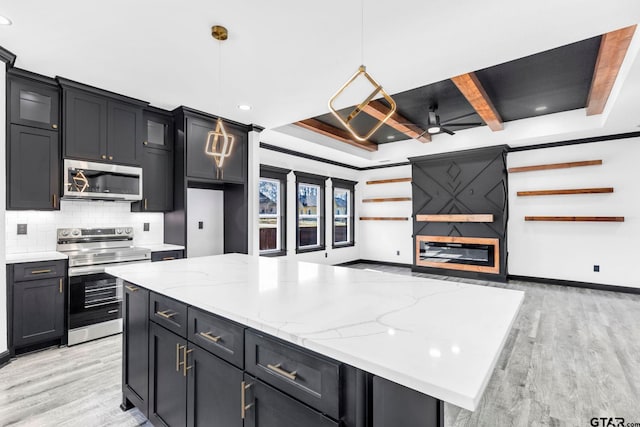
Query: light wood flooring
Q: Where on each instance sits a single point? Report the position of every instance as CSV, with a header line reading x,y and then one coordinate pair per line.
x,y
573,354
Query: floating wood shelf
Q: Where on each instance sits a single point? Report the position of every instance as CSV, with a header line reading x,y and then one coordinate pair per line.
x,y
555,166
576,218
387,199
456,218
388,181
386,218
573,191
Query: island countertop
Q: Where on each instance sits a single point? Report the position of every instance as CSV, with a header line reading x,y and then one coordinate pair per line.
x,y
437,337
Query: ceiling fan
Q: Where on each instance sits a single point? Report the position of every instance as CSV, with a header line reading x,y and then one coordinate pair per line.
x,y
434,126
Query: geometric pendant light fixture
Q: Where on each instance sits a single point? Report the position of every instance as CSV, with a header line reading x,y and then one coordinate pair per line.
x,y
219,143
377,89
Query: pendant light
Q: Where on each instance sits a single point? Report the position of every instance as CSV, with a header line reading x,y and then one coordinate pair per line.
x,y
219,143
377,89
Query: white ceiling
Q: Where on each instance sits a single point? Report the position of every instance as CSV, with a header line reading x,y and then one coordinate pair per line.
x,y
286,57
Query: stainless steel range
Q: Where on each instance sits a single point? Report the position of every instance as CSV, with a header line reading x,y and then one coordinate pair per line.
x,y
95,298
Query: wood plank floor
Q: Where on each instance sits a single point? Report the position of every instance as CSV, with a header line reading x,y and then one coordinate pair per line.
x,y
573,354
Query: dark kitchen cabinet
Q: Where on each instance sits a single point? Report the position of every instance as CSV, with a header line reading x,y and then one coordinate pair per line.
x,y
203,166
33,168
396,405
167,255
33,103
167,378
101,126
158,126
265,406
37,309
135,345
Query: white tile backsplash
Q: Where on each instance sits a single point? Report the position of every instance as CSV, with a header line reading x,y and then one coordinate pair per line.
x,y
42,225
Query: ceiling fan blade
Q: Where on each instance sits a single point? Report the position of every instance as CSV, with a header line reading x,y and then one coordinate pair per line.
x,y
462,124
453,119
445,130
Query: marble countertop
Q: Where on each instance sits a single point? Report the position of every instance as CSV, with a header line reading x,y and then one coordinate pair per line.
x,y
162,247
437,337
34,257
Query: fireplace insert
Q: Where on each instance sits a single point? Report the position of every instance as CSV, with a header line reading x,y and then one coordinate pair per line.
x,y
458,253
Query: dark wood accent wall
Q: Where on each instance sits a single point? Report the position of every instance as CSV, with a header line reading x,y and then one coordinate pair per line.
x,y
466,182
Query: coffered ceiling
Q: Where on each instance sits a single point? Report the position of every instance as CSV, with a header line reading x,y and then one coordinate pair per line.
x,y
285,58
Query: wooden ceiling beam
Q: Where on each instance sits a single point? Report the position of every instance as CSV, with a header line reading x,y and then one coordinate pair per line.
x,y
325,129
613,49
378,110
472,89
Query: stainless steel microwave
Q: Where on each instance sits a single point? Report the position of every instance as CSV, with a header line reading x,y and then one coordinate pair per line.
x,y
101,181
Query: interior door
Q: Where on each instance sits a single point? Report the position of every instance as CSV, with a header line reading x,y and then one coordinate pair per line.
x,y
205,222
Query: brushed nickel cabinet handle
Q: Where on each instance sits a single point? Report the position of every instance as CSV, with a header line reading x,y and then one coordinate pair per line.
x,y
103,157
210,337
278,370
55,126
48,270
131,288
145,143
178,363
167,314
110,157
243,404
184,363
168,258
145,204
60,286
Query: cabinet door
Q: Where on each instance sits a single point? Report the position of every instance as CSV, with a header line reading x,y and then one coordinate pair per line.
x,y
167,381
124,133
135,369
159,130
34,104
396,405
33,169
267,407
38,311
157,181
213,397
199,164
85,126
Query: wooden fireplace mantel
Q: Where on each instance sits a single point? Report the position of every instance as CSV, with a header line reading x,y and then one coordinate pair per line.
x,y
495,269
455,218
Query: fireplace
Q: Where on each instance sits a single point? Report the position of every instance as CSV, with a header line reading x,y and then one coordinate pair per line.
x,y
476,254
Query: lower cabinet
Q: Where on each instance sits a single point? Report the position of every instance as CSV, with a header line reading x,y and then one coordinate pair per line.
x,y
135,346
267,407
38,311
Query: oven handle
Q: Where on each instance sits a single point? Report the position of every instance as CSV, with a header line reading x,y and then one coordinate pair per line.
x,y
93,269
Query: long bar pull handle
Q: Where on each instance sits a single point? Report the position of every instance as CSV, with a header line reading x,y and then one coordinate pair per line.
x,y
167,314
55,200
277,369
243,404
184,364
168,258
145,204
178,357
210,336
131,288
60,286
48,270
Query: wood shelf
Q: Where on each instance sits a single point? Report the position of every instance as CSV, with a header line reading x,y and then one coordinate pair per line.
x,y
386,218
576,218
572,191
388,181
555,166
387,199
456,218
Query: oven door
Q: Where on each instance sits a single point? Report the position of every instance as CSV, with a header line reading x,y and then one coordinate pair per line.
x,y
93,298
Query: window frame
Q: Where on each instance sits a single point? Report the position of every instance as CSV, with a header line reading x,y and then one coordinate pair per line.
x,y
319,181
343,184
272,173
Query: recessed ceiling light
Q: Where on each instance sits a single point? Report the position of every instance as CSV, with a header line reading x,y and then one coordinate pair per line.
x,y
391,136
4,20
244,107
541,108
384,161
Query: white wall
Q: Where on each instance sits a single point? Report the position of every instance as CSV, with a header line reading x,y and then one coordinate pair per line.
x,y
333,256
3,189
42,225
381,240
569,250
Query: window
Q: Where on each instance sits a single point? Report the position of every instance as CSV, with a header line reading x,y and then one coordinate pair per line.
x,y
271,210
342,212
310,212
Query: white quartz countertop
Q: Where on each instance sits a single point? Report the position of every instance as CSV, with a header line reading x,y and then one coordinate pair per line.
x,y
162,247
34,256
437,337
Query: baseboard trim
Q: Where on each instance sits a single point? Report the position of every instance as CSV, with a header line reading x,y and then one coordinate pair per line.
x,y
368,261
574,284
5,357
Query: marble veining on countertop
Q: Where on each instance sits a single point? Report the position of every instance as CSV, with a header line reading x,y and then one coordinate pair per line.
x,y
437,337
17,258
159,247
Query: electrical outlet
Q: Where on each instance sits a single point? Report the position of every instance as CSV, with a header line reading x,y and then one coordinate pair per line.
x,y
596,268
326,255
200,225
145,226
22,228
397,252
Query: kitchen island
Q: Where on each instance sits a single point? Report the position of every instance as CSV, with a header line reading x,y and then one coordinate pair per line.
x,y
356,347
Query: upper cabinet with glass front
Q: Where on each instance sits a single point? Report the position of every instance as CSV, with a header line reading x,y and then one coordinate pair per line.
x,y
34,101
159,131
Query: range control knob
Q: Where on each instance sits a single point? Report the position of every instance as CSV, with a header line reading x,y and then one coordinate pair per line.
x,y
128,230
64,233
75,232
118,230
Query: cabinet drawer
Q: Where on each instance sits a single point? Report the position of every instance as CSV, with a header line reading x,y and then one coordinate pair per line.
x,y
311,378
39,270
221,337
166,255
169,313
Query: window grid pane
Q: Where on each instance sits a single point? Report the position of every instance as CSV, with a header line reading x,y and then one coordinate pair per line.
x,y
269,215
342,215
308,215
